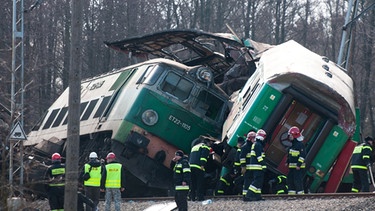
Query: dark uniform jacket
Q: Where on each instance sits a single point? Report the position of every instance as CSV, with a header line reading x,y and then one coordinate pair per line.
x,y
181,173
237,162
296,154
199,155
55,175
361,156
257,161
245,154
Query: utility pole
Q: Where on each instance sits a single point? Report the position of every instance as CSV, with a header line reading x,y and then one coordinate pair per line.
x,y
72,154
17,83
350,18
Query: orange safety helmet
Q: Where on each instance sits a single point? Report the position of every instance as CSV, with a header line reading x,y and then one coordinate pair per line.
x,y
294,132
111,155
261,134
56,157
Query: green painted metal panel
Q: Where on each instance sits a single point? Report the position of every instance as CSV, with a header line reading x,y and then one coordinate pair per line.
x,y
258,112
175,124
326,156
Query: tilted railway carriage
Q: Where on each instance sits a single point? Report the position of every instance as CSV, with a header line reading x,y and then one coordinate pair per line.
x,y
293,86
147,111
143,113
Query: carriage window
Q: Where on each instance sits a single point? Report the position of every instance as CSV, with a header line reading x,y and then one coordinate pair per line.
x,y
51,118
39,123
82,108
150,75
89,109
249,93
177,86
209,105
60,117
123,78
102,106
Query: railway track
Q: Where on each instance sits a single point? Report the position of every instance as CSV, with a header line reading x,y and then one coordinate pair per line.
x,y
267,197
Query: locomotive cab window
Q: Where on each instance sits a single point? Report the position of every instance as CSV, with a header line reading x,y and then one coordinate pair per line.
x,y
209,105
176,86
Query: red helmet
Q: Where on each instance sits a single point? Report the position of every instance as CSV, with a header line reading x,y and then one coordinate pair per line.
x,y
261,134
251,135
111,155
294,131
56,157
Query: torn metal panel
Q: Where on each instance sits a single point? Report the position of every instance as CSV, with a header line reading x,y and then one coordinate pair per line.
x,y
190,47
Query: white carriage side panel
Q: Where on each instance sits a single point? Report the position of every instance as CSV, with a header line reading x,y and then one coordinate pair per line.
x,y
95,88
291,63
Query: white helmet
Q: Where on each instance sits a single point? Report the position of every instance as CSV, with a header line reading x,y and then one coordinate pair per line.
x,y
93,155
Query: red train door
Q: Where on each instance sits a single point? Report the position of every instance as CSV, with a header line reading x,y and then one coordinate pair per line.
x,y
296,115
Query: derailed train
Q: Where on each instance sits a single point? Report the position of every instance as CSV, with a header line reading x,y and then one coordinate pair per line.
x,y
293,86
145,112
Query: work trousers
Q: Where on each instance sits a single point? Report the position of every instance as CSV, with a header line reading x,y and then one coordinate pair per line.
x,y
360,183
295,181
197,184
93,193
115,194
255,188
247,179
56,197
180,198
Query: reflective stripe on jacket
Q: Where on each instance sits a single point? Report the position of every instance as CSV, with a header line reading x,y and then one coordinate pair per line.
x,y
56,175
95,175
361,156
199,155
256,160
113,179
296,155
182,173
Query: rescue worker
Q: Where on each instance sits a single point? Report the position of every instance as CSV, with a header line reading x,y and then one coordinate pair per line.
x,y
92,181
279,185
361,162
245,161
181,179
198,159
226,184
237,158
257,167
55,177
112,182
296,161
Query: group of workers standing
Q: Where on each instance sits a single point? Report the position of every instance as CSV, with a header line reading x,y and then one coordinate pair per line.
x,y
188,172
250,167
250,157
253,165
108,177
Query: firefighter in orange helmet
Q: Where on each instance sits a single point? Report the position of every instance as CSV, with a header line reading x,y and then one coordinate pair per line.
x,y
296,161
245,161
55,177
257,167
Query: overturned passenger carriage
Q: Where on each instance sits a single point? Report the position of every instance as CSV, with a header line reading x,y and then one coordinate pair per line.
x,y
293,86
147,111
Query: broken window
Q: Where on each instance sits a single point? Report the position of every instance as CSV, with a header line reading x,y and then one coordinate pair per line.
x,y
177,86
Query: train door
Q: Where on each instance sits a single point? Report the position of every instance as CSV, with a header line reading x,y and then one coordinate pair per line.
x,y
297,114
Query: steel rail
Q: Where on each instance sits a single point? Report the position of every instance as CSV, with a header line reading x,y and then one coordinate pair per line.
x,y
266,196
